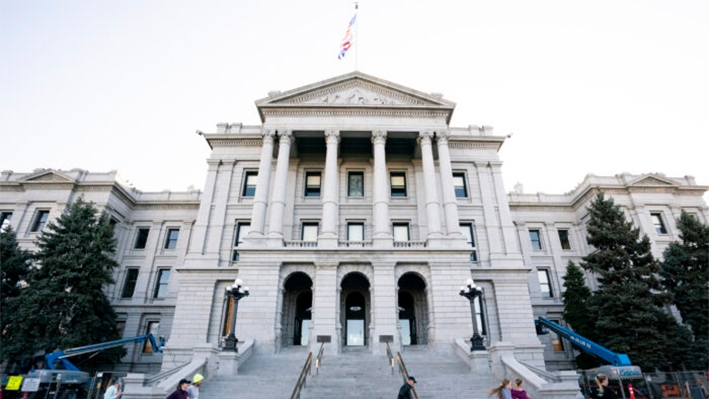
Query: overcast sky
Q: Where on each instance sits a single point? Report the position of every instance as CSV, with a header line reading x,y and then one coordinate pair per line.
x,y
600,87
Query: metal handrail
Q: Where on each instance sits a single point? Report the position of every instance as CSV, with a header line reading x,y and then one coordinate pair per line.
x,y
303,377
404,373
318,359
391,358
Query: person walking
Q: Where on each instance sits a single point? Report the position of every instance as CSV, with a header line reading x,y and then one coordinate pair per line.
x,y
503,391
405,390
193,390
518,391
113,392
601,390
181,391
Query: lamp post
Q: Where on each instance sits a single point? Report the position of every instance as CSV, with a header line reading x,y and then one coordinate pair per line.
x,y
236,291
472,292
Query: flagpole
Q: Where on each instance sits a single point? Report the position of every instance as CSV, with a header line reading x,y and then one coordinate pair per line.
x,y
357,38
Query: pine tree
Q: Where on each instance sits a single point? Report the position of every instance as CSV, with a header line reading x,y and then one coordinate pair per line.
x,y
14,269
64,305
685,271
576,313
627,306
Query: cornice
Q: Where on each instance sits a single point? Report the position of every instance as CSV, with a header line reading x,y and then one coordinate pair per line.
x,y
366,111
234,143
166,206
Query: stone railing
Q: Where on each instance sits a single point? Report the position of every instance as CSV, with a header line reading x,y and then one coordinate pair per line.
x,y
301,244
409,244
354,244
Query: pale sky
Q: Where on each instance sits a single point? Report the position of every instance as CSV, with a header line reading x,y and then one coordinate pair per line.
x,y
601,87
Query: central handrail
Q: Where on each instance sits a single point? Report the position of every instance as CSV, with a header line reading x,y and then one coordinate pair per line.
x,y
404,373
303,377
318,360
391,358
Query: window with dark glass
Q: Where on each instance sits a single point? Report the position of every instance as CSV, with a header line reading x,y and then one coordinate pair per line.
x,y
658,223
40,219
310,232
468,230
152,328
355,184
536,237
242,229
480,315
162,283
250,181
398,184
556,342
564,239
544,284
171,239
129,284
312,184
401,232
461,190
141,239
5,218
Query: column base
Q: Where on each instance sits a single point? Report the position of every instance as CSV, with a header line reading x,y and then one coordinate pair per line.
x,y
327,241
383,242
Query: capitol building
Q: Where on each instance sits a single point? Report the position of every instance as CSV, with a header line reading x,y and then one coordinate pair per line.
x,y
354,212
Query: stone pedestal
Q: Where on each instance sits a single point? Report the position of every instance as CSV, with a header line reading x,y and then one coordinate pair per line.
x,y
479,362
228,363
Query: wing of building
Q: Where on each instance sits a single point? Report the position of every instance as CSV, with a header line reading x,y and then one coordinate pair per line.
x,y
354,213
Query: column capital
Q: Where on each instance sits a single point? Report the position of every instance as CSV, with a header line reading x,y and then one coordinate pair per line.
x,y
332,134
285,136
379,136
442,136
268,134
425,136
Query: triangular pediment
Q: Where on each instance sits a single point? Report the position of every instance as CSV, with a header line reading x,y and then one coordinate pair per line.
x,y
47,176
354,90
655,181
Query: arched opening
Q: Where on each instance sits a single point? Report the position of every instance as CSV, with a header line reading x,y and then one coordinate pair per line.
x,y
355,305
297,309
413,309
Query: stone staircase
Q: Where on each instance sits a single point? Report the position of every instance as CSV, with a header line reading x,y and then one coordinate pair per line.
x,y
354,374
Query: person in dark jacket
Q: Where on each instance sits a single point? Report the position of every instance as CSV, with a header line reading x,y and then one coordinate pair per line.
x,y
181,391
405,391
602,391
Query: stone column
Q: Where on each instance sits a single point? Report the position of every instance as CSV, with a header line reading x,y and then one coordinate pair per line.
x,y
429,178
258,213
278,199
199,239
325,303
215,228
450,203
382,233
492,227
328,238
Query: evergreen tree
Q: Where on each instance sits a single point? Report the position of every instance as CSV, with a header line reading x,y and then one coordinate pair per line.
x,y
627,306
576,313
685,270
14,268
64,305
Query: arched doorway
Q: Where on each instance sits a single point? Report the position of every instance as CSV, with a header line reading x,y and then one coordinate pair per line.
x,y
355,305
297,309
413,309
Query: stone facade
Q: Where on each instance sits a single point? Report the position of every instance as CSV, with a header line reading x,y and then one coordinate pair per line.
x,y
354,212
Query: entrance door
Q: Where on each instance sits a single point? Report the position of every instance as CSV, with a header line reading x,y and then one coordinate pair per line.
x,y
407,319
303,317
354,317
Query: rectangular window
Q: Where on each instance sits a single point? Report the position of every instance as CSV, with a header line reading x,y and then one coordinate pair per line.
x,y
480,315
5,218
556,342
310,232
564,239
544,284
398,184
312,184
355,184
250,184
401,232
162,283
658,223
141,239
355,231
171,238
152,328
536,237
468,230
242,229
461,191
40,219
129,284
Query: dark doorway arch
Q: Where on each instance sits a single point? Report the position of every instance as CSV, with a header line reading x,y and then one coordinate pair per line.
x,y
412,309
297,309
355,306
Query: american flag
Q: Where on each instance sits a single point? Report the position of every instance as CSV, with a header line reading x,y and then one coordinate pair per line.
x,y
347,40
